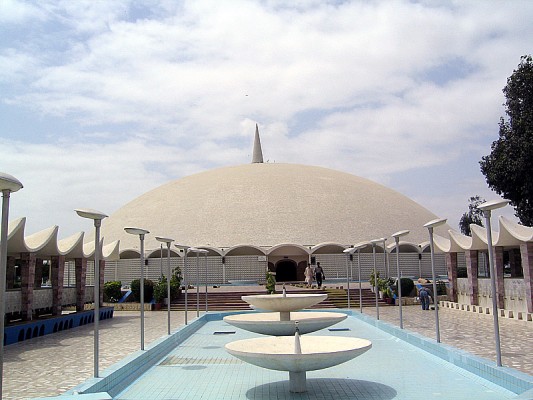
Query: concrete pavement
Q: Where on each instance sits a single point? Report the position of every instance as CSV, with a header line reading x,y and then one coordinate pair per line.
x,y
50,365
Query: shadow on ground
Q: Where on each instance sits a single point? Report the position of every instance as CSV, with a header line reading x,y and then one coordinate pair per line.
x,y
324,389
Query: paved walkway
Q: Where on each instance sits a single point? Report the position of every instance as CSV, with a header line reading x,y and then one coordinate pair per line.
x,y
52,364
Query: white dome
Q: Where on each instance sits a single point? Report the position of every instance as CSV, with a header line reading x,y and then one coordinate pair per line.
x,y
265,204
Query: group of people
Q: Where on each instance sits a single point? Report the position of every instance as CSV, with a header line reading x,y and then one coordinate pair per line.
x,y
314,274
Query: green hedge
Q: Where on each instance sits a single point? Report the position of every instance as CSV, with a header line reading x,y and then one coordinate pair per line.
x,y
148,290
112,292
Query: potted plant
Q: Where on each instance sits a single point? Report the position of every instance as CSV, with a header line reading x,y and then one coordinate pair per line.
x,y
270,283
160,292
382,286
372,281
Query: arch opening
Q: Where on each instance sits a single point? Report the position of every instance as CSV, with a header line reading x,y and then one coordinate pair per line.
x,y
286,271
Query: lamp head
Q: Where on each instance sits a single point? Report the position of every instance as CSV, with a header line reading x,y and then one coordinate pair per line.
x,y
399,234
435,222
164,239
361,245
493,205
197,250
374,241
349,250
90,214
9,182
136,231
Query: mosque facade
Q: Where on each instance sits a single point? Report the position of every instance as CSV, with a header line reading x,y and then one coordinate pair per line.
x,y
263,217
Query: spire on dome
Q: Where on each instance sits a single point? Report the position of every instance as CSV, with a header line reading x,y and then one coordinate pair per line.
x,y
257,152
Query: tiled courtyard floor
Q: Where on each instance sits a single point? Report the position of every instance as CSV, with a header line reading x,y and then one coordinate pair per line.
x,y
52,364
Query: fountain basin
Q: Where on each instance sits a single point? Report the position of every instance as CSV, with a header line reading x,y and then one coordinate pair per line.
x,y
284,302
271,323
317,352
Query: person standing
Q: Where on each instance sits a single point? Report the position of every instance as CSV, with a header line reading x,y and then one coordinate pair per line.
x,y
319,275
308,275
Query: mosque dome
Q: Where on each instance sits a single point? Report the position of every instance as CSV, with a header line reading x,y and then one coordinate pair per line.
x,y
266,204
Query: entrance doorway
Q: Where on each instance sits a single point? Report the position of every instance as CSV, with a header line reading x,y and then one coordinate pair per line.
x,y
286,271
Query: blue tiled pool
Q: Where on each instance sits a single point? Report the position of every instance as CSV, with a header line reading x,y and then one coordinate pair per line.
x,y
192,364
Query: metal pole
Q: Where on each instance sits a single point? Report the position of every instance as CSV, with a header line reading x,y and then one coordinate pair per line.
x,y
97,224
3,269
223,269
141,237
161,261
168,285
435,302
492,266
385,265
397,239
186,282
360,287
348,280
206,306
375,280
197,285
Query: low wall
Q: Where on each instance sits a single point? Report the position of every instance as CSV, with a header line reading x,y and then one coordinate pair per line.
x,y
40,327
514,298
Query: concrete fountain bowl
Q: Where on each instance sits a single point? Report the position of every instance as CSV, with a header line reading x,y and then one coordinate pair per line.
x,y
284,302
298,354
271,323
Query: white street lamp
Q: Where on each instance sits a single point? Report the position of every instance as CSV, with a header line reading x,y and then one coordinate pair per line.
x,y
185,249
358,248
396,237
168,241
349,255
376,288
385,265
141,232
97,216
8,184
487,208
197,251
431,225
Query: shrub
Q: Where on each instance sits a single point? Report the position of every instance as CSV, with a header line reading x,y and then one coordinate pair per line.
x,y
161,289
372,279
148,290
112,292
270,283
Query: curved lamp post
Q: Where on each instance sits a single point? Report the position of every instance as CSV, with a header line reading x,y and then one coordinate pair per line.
x,y
358,249
185,250
487,208
8,185
349,255
376,289
396,237
430,225
385,265
168,241
97,217
198,252
141,232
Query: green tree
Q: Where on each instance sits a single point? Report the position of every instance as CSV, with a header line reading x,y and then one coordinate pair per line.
x,y
508,169
472,216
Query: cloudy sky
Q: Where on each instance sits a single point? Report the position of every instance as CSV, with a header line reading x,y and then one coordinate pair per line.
x,y
101,101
